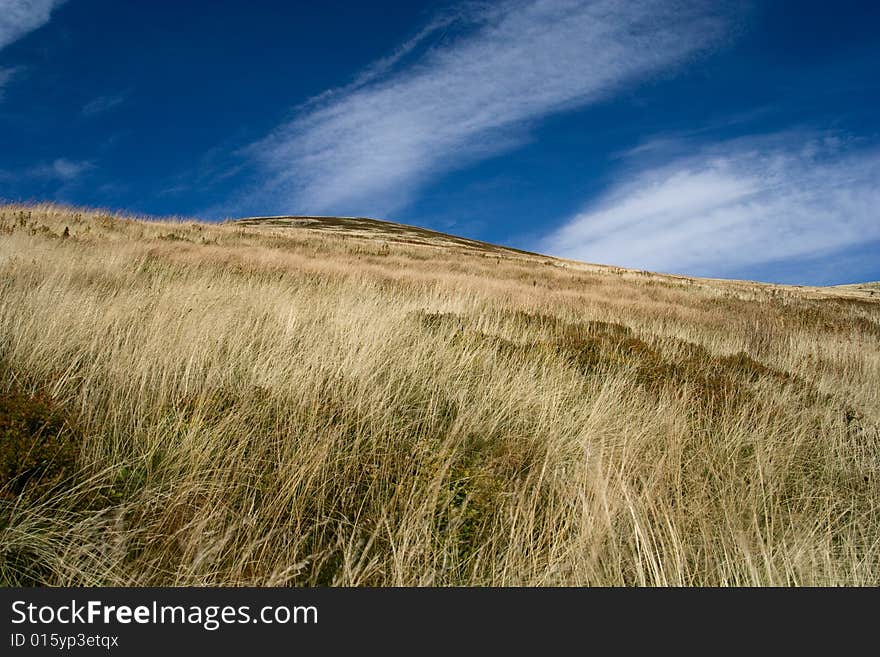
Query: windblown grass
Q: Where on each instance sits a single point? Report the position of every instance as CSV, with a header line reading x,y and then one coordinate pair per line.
x,y
195,404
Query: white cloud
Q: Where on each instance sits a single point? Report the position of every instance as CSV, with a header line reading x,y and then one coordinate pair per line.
x,y
366,148
67,170
103,104
60,170
733,206
56,179
6,74
18,17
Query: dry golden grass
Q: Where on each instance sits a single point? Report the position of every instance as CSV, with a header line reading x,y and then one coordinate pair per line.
x,y
273,405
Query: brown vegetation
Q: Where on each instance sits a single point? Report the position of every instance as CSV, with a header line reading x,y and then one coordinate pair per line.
x,y
270,403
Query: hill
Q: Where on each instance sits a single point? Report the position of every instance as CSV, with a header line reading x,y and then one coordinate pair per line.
x,y
305,400
376,230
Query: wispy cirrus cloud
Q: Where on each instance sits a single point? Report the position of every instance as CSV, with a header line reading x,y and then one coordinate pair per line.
x,y
18,18
730,207
103,104
368,147
61,170
6,74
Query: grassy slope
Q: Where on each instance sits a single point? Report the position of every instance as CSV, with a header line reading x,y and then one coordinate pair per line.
x,y
269,404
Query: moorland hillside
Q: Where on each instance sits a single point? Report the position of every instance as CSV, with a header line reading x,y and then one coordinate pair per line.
x,y
307,401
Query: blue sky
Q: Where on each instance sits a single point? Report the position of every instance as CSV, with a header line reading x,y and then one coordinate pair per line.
x,y
708,138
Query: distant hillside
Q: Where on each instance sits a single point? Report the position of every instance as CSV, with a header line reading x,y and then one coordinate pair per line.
x,y
378,231
869,289
375,229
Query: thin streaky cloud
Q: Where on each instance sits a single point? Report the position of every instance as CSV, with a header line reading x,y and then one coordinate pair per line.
x,y
19,17
733,206
68,170
61,170
437,27
383,65
6,74
368,149
103,104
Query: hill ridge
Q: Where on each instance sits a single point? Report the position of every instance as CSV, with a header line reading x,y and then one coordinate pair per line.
x,y
371,228
380,228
